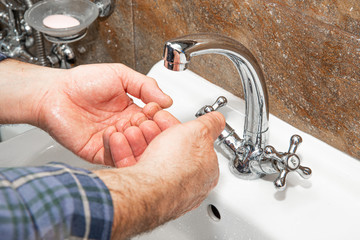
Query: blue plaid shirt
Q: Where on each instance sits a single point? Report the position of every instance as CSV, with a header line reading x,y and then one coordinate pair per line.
x,y
54,201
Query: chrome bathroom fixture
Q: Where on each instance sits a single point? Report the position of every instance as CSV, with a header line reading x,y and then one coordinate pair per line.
x,y
61,53
22,28
250,157
84,11
16,36
106,7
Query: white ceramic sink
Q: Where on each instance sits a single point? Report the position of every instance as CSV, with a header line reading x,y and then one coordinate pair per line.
x,y
326,206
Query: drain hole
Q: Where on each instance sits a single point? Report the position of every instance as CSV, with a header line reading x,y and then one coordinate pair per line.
x,y
214,213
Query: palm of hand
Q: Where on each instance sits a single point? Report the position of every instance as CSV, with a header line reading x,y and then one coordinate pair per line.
x,y
79,109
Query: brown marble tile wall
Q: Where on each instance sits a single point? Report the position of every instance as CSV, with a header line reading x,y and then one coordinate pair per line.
x,y
309,52
109,40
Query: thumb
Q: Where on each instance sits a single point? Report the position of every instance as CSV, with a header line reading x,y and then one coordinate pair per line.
x,y
143,87
214,122
151,92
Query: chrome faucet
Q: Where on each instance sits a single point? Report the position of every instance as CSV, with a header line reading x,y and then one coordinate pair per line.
x,y
249,156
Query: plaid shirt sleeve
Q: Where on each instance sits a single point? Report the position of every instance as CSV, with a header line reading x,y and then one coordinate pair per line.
x,y
54,201
2,56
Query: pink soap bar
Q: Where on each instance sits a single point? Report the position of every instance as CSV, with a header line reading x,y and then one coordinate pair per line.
x,y
60,21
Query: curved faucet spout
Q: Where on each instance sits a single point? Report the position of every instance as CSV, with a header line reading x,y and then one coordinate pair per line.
x,y
177,55
249,158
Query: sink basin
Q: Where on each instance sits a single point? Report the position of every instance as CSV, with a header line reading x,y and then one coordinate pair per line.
x,y
325,206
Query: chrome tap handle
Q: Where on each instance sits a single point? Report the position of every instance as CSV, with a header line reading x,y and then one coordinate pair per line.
x,y
220,102
295,141
287,162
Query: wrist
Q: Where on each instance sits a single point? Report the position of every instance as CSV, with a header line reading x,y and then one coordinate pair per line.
x,y
22,86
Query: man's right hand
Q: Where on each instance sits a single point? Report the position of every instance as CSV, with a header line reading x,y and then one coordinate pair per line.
x,y
174,175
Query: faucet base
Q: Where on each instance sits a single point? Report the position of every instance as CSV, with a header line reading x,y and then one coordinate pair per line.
x,y
243,170
244,175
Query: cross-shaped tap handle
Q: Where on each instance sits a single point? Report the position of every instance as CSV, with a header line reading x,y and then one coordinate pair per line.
x,y
287,162
220,102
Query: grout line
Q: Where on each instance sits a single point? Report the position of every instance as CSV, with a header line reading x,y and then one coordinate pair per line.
x,y
133,32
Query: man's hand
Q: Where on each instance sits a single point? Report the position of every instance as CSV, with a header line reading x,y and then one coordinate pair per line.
x,y
173,175
89,109
126,143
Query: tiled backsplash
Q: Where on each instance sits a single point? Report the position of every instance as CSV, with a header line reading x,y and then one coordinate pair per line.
x,y
309,52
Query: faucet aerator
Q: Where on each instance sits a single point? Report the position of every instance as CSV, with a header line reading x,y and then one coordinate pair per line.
x,y
174,58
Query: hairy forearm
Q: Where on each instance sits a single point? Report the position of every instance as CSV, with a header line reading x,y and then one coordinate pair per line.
x,y
22,86
141,201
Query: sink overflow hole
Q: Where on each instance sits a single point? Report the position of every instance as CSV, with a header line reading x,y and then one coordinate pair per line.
x,y
214,213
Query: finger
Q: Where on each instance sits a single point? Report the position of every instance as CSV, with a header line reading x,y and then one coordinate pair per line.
x,y
214,121
150,130
106,142
137,119
164,119
143,87
99,157
121,152
122,124
151,109
136,140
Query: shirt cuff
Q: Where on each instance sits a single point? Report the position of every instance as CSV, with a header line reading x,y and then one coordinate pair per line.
x,y
55,201
2,56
